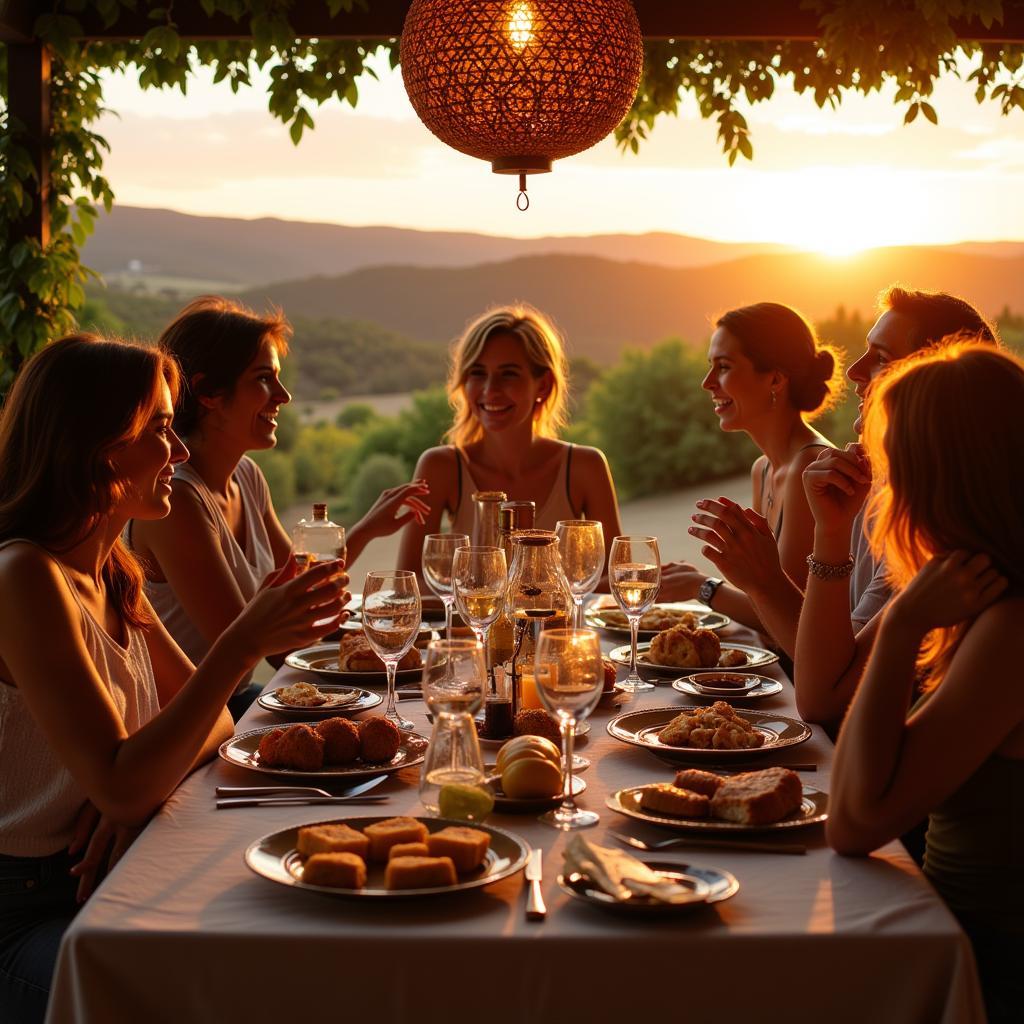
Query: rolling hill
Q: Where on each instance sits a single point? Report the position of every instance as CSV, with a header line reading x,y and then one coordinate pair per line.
x,y
604,305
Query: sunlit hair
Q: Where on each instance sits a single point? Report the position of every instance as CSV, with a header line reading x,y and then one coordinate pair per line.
x,y
71,407
543,348
936,315
776,337
944,433
214,339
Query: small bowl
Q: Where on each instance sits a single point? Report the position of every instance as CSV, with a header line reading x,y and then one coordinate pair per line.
x,y
724,683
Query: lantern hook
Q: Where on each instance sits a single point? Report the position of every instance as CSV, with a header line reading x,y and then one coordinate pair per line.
x,y
522,200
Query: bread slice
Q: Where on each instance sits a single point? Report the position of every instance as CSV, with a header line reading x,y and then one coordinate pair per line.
x,y
758,798
664,798
338,870
332,839
419,872
467,847
698,781
408,850
385,834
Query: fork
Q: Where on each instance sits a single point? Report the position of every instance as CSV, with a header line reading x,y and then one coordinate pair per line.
x,y
298,791
721,844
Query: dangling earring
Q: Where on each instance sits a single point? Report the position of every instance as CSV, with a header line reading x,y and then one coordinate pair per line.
x,y
773,399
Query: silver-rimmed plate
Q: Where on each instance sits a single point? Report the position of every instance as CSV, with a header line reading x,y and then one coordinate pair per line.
x,y
755,657
812,810
761,686
641,728
363,700
716,885
323,660
243,752
612,619
275,857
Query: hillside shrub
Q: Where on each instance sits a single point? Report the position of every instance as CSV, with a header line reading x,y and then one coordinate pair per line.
x,y
279,469
376,474
322,454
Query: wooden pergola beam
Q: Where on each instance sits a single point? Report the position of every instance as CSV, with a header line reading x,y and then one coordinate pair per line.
x,y
383,19
28,108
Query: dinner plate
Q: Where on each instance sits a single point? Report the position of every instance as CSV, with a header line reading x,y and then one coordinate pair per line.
x,y
275,857
720,885
582,730
365,700
597,617
641,728
812,810
763,687
241,750
757,657
323,660
531,805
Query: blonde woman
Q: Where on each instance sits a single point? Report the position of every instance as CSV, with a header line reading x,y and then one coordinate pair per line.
x,y
944,435
508,388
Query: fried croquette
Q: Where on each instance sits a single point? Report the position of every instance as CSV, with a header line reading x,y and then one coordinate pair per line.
x,y
268,747
301,748
536,722
341,740
717,727
379,740
337,870
682,647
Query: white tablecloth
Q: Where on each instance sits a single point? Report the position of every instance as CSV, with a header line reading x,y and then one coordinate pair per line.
x,y
183,932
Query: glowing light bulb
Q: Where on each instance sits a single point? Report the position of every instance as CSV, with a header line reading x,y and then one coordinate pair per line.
x,y
520,25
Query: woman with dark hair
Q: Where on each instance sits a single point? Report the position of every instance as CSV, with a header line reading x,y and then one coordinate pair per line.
x,y
769,376
943,433
210,555
101,714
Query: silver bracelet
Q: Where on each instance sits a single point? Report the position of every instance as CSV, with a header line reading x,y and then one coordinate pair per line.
x,y
828,571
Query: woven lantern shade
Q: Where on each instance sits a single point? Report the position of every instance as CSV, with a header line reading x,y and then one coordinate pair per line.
x,y
521,82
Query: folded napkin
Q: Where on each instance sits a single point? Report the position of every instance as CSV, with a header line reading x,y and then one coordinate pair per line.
x,y
623,876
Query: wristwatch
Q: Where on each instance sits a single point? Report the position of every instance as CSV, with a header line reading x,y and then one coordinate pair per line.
x,y
707,590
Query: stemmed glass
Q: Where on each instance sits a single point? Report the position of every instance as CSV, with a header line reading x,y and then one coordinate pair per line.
x,y
391,620
453,687
569,679
478,578
438,553
582,545
634,573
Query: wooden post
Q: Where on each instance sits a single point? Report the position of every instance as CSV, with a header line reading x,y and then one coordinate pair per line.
x,y
28,97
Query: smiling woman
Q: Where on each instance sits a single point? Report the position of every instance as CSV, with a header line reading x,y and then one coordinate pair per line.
x,y
223,538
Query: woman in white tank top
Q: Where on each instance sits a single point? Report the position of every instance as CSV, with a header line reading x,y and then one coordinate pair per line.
x,y
508,385
209,556
100,711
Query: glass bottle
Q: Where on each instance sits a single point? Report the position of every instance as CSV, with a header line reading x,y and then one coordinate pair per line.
x,y
538,596
512,516
317,539
485,517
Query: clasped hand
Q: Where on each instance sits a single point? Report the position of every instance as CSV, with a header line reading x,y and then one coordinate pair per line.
x,y
836,484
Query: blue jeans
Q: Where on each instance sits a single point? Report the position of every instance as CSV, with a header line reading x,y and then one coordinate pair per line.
x,y
37,903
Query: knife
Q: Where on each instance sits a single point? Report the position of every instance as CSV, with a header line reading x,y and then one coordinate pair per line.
x,y
535,909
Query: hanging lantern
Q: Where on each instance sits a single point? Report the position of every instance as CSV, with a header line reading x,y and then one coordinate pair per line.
x,y
521,82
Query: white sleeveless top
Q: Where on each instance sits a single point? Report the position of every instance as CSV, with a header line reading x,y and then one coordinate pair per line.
x,y
249,566
39,799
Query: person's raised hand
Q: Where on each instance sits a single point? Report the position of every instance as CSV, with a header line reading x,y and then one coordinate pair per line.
x,y
739,543
836,484
386,515
947,590
680,581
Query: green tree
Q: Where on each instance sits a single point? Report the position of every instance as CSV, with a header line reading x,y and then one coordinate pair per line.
x,y
377,473
355,415
279,470
321,455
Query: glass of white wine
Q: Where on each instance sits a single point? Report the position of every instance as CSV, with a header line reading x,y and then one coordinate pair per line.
x,y
582,545
438,554
569,678
479,575
634,573
391,620
453,687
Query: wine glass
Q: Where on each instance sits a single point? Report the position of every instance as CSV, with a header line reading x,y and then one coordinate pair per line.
x,y
582,545
569,679
478,579
391,620
438,553
634,573
453,687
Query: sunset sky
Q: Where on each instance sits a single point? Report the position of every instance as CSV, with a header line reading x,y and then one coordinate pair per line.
x,y
834,181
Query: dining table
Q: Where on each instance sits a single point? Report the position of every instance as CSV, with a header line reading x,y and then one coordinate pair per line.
x,y
183,931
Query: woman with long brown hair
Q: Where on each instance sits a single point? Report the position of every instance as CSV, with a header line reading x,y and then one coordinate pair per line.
x,y
508,388
100,711
210,555
943,433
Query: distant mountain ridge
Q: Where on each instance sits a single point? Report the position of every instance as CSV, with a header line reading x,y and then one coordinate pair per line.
x,y
249,252
604,306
